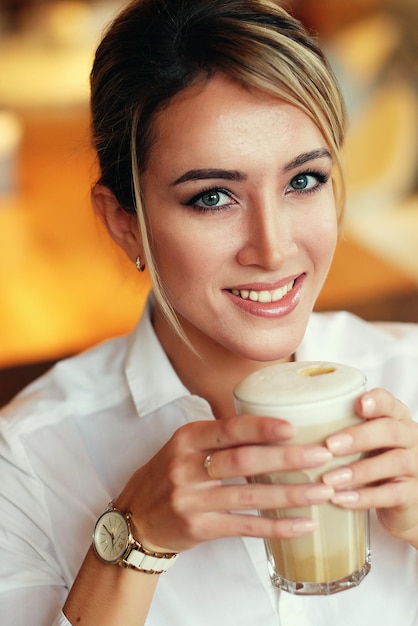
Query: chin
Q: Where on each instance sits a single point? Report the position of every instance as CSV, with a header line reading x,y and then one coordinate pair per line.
x,y
270,356
270,350
272,344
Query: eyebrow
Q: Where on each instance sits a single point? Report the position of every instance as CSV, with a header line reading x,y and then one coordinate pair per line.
x,y
235,175
210,173
307,156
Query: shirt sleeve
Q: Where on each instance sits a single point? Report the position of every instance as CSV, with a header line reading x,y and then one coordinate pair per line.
x,y
36,606
61,620
32,583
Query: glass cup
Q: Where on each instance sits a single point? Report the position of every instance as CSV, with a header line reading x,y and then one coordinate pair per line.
x,y
317,398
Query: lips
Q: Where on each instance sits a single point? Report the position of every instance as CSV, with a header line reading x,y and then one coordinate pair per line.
x,y
264,295
268,303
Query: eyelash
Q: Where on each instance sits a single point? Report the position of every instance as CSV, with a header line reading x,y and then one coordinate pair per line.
x,y
209,209
321,178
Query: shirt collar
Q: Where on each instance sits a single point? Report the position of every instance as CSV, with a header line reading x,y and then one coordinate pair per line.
x,y
151,378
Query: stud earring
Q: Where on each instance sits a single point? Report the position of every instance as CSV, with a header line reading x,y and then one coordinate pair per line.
x,y
139,265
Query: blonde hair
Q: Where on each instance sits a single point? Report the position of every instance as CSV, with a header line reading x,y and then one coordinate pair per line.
x,y
157,48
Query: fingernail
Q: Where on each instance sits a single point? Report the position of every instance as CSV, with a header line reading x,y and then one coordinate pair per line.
x,y
339,444
283,430
303,526
319,492
368,405
316,455
345,497
338,477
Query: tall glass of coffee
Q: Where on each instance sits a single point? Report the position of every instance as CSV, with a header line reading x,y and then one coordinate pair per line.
x,y
318,399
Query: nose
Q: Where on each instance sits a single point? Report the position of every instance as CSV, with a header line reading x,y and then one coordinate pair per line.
x,y
269,238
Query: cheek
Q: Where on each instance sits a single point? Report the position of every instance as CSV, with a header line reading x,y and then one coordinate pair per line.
x,y
324,235
179,255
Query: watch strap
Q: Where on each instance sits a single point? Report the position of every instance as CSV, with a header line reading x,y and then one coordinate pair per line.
x,y
143,560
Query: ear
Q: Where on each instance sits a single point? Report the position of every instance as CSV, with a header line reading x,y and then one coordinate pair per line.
x,y
122,226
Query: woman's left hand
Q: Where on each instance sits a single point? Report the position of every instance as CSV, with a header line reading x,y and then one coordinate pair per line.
x,y
387,478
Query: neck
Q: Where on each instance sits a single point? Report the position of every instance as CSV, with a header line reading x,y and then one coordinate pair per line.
x,y
212,372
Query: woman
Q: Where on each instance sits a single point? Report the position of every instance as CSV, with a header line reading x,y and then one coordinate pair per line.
x,y
218,127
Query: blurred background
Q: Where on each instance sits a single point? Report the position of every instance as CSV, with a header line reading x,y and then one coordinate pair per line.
x,y
64,286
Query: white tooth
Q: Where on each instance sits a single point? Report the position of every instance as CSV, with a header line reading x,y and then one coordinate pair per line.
x,y
264,296
277,295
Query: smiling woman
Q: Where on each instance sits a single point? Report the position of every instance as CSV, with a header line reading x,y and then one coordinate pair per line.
x,y
265,54
218,126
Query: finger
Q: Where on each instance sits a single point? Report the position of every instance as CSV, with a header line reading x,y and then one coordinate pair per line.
x,y
381,403
285,528
234,431
253,496
254,460
374,434
240,525
391,464
391,494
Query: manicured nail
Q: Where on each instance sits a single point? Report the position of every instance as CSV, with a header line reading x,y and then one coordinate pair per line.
x,y
319,492
345,497
339,444
316,455
368,405
338,477
283,430
303,526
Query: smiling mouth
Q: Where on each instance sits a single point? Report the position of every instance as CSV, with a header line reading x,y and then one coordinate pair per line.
x,y
263,295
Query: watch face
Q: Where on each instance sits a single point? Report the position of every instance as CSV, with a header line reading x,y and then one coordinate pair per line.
x,y
111,536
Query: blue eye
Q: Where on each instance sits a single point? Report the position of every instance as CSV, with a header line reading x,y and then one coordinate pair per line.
x,y
306,182
211,200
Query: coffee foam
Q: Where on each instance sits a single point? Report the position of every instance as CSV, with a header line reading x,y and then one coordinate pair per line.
x,y
303,392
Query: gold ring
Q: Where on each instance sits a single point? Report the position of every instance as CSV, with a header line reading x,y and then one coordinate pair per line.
x,y
207,465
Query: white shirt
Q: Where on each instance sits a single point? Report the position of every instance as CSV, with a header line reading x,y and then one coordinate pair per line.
x,y
69,443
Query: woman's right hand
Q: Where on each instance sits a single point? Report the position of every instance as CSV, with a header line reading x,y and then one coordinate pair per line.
x,y
175,504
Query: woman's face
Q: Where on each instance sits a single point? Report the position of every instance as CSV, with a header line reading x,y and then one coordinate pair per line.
x,y
241,209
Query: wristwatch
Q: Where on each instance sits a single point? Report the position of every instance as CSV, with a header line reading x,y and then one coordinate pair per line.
x,y
113,543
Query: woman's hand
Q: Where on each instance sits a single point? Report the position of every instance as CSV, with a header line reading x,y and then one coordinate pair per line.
x,y
390,469
175,504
